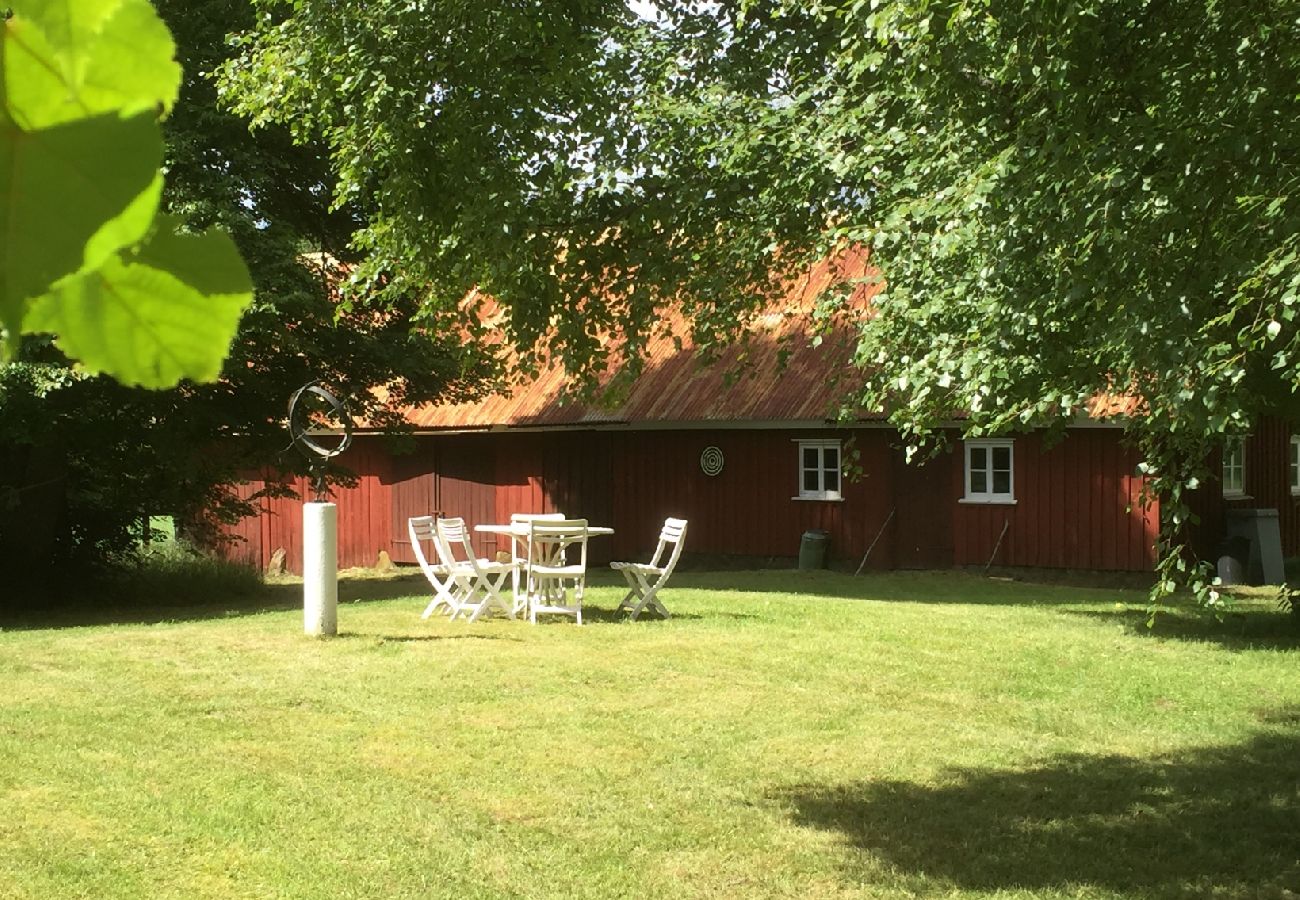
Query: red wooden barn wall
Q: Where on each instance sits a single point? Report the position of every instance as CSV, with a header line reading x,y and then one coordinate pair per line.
x,y
1268,479
1072,507
364,514
1266,483
749,508
1078,506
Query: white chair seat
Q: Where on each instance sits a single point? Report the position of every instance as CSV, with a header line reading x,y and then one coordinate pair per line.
x,y
559,571
645,568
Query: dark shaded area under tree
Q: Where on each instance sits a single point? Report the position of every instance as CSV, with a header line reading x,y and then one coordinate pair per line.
x,y
1210,821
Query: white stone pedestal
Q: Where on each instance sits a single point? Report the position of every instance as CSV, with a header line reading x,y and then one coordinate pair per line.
x,y
320,569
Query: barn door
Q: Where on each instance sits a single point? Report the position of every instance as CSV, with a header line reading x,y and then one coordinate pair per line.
x,y
924,504
415,493
467,485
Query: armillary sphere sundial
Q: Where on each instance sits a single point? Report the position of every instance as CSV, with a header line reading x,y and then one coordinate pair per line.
x,y
320,425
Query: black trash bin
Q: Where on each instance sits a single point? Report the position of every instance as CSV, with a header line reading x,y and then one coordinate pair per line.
x,y
812,549
1234,555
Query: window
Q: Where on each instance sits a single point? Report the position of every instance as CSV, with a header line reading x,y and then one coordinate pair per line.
x,y
1234,468
990,472
819,470
1295,464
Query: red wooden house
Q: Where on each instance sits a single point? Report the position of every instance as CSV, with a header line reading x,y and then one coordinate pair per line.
x,y
754,464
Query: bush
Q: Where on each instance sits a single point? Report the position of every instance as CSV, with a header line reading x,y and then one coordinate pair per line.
x,y
175,574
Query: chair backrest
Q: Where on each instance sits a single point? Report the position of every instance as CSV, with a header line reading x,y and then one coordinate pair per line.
x,y
453,534
421,529
519,518
560,533
673,532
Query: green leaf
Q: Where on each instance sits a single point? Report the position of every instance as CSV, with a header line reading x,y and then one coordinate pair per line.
x,y
208,262
71,59
152,318
70,196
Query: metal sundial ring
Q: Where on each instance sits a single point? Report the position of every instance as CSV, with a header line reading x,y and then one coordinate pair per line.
x,y
309,406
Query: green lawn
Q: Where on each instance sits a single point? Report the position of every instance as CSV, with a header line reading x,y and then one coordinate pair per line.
x,y
785,734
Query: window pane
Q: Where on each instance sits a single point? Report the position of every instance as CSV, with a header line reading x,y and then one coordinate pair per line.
x,y
979,458
979,481
1233,468
832,479
1232,455
1231,478
810,457
1002,458
1001,481
831,458
810,480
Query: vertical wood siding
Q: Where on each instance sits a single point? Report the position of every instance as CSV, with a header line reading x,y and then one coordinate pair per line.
x,y
1077,501
414,487
466,474
1268,479
364,514
749,509
1077,507
245,545
1267,485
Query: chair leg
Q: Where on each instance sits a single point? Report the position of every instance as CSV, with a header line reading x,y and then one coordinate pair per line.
x,y
441,597
648,598
631,591
491,590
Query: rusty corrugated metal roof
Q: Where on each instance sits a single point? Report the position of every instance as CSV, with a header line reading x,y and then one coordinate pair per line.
x,y
676,388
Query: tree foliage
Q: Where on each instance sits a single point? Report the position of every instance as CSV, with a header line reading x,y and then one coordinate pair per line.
x,y
1070,200
86,255
524,151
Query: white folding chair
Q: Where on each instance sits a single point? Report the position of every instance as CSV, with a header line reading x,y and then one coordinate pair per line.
x,y
517,543
476,582
421,529
644,580
553,583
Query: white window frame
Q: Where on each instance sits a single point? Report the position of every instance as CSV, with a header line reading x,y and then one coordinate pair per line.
x,y
822,493
988,495
1233,471
1295,465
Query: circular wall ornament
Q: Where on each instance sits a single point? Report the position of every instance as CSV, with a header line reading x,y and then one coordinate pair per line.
x,y
711,461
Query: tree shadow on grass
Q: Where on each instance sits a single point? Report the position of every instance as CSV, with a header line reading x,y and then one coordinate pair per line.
x,y
422,638
952,586
1262,628
89,608
1212,821
608,615
275,596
